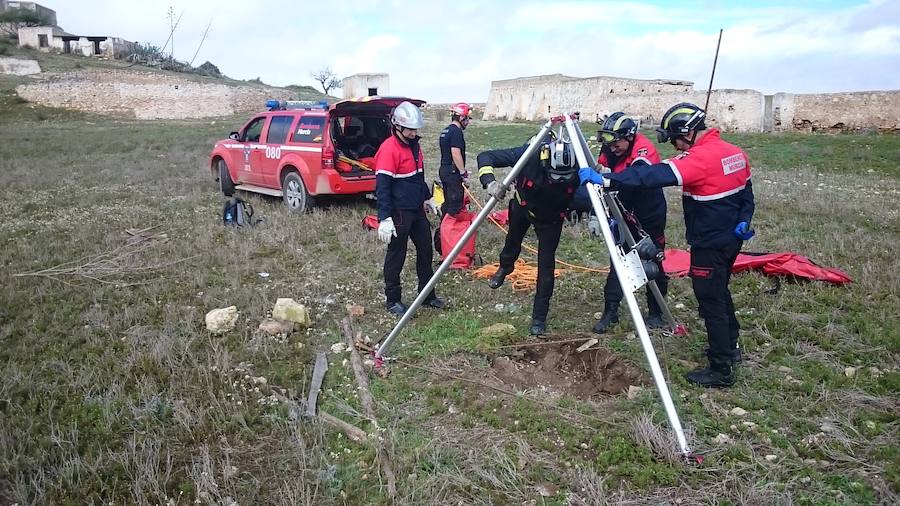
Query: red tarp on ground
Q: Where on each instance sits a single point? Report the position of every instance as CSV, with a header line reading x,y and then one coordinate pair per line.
x,y
370,222
678,262
501,217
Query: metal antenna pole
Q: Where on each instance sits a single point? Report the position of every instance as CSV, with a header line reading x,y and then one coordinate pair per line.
x,y
624,269
713,74
448,260
613,206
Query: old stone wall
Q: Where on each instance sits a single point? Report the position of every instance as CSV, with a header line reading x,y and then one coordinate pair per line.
x,y
836,112
18,67
537,98
147,95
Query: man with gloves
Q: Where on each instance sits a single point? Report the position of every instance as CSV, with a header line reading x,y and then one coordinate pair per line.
x,y
401,192
543,191
623,146
718,207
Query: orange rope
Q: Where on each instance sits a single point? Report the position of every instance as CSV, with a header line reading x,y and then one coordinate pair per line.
x,y
581,268
522,279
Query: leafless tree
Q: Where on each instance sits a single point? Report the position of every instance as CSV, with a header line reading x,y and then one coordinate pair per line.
x,y
13,19
327,79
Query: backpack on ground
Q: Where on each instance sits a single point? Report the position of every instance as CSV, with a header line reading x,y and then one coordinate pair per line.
x,y
238,213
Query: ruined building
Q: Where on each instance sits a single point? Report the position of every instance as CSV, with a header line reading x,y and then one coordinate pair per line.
x,y
536,98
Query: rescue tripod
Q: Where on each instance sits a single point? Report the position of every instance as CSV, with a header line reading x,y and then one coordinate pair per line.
x,y
629,268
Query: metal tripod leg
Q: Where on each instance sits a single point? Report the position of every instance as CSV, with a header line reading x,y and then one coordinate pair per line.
x,y
451,256
616,211
618,259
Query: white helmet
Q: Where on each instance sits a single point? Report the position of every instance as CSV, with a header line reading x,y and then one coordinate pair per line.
x,y
407,115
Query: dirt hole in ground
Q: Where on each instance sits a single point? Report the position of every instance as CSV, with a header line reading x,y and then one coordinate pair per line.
x,y
562,369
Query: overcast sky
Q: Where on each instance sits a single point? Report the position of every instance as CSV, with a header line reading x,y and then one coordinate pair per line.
x,y
452,50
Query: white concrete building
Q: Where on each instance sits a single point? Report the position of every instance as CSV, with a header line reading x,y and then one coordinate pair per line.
x,y
366,85
54,38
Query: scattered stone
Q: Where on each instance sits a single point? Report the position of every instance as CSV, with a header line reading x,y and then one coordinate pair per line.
x,y
369,362
771,458
498,330
722,439
827,427
413,477
870,425
598,315
749,425
547,489
453,410
338,348
355,310
590,342
260,380
634,391
850,372
679,306
785,369
875,372
805,479
219,321
584,446
814,439
738,412
291,311
276,328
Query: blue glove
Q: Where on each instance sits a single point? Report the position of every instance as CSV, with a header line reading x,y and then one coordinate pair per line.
x,y
589,175
743,232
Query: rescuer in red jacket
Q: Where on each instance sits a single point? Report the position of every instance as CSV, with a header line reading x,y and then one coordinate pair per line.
x,y
718,202
645,209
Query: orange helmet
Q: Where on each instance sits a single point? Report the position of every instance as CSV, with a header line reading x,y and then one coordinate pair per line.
x,y
462,109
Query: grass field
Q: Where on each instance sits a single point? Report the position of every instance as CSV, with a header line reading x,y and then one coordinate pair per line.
x,y
113,392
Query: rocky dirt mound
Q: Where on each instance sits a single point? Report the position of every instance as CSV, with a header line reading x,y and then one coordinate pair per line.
x,y
147,95
562,369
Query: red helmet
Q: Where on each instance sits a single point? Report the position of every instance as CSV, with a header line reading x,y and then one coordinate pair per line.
x,y
461,109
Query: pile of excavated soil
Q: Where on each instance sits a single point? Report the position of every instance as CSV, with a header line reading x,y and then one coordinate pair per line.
x,y
562,369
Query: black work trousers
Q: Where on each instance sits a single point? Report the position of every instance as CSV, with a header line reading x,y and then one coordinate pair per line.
x,y
548,235
710,273
410,225
612,291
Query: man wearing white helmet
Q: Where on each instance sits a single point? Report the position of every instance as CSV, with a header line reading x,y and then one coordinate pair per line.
x,y
401,192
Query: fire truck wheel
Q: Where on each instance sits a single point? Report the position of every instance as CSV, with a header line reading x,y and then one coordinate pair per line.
x,y
225,181
295,195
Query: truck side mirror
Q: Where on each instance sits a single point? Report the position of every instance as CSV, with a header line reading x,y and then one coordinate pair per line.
x,y
235,136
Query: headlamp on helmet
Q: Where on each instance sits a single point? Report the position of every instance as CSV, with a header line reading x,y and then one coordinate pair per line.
x,y
679,120
560,161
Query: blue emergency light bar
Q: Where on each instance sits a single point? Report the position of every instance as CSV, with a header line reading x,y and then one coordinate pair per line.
x,y
283,105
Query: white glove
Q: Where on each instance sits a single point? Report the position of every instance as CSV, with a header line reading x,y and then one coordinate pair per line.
x,y
593,226
386,230
432,205
497,190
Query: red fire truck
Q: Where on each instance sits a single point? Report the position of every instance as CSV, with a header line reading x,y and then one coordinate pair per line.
x,y
300,150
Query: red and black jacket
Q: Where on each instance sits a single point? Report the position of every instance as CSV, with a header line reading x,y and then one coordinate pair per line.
x,y
717,193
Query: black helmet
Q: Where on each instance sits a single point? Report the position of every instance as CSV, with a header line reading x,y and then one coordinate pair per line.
x,y
679,120
616,126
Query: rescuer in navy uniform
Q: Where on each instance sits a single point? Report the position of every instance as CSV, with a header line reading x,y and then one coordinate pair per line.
x,y
718,205
543,191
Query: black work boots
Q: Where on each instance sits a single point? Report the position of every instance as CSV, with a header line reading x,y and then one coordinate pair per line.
x,y
609,318
497,279
713,376
538,327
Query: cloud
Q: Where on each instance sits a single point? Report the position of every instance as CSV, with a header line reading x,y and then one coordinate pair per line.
x,y
449,51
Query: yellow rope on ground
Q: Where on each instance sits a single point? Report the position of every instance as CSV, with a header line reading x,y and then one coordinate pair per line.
x,y
524,277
